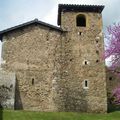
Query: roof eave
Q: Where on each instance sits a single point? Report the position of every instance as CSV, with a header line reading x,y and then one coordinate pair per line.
x,y
29,23
80,8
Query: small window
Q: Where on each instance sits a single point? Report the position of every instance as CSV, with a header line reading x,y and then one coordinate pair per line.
x,y
85,84
97,61
97,51
79,33
71,59
96,41
33,81
110,78
81,21
86,63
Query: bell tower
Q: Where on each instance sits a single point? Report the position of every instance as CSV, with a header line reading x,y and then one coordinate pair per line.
x,y
85,75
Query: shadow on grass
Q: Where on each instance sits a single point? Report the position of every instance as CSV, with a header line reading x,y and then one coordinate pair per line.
x,y
1,112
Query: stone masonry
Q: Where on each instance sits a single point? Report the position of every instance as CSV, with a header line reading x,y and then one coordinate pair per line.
x,y
32,53
7,89
52,65
79,48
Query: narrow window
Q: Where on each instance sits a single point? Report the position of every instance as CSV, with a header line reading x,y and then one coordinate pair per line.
x,y
110,78
97,51
86,62
96,41
71,59
97,61
85,84
81,21
79,33
32,81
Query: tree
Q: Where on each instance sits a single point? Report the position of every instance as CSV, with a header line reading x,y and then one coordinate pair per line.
x,y
116,96
113,48
112,51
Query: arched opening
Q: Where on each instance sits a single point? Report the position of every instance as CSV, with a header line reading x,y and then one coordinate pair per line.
x,y
81,21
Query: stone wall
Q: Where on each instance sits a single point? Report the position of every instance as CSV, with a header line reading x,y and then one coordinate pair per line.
x,y
84,45
32,53
50,65
7,89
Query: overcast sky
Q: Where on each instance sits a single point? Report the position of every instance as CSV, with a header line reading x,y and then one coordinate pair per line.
x,y
14,12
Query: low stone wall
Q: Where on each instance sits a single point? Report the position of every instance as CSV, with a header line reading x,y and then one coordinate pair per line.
x,y
7,89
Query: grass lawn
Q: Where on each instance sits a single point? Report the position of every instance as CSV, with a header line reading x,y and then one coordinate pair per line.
x,y
25,115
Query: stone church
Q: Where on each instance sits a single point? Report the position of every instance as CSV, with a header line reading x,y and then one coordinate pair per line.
x,y
50,68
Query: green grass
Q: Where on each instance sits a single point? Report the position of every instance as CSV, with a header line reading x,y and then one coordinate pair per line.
x,y
25,115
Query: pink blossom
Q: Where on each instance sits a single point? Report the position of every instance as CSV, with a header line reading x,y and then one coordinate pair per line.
x,y
116,95
113,45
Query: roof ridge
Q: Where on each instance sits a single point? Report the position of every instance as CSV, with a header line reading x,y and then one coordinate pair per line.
x,y
81,5
28,23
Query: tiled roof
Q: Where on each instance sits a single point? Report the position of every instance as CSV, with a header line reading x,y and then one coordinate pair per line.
x,y
78,8
29,23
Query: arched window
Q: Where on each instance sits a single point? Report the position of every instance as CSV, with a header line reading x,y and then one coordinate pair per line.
x,y
81,21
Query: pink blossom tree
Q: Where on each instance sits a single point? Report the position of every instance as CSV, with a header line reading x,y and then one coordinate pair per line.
x,y
116,96
113,47
112,51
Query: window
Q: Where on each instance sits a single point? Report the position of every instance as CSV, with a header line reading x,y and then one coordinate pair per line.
x,y
97,51
71,59
86,63
32,81
81,21
80,33
97,61
96,41
85,84
110,78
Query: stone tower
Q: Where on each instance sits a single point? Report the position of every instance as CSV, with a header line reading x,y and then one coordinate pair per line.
x,y
83,69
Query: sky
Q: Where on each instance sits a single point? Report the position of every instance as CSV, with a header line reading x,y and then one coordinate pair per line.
x,y
15,12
